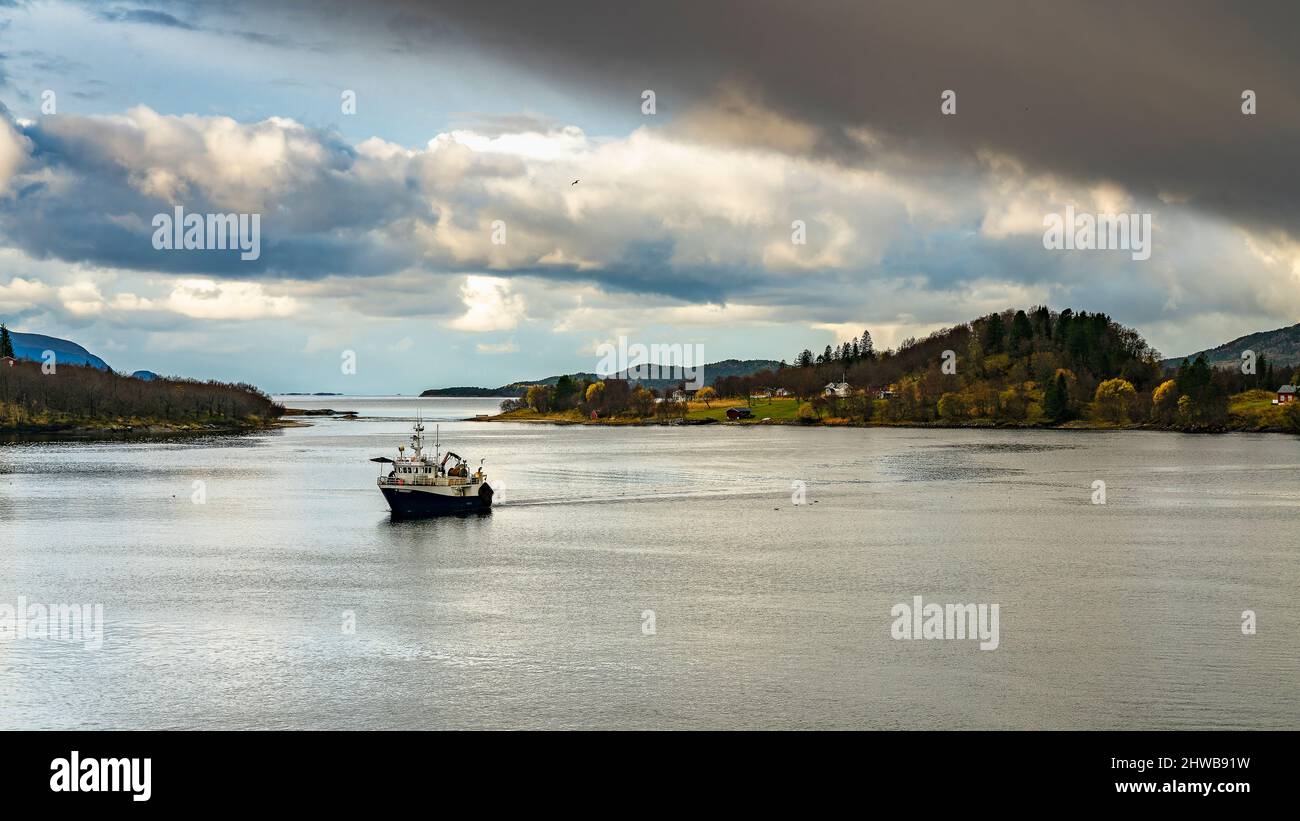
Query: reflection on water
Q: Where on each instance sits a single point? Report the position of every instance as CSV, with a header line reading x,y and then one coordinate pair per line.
x,y
233,612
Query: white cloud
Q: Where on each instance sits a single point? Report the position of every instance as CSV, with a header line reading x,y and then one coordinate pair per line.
x,y
82,298
669,226
22,294
209,299
490,306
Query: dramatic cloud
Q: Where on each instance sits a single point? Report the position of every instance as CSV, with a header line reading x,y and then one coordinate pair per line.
x,y
797,180
1146,94
654,213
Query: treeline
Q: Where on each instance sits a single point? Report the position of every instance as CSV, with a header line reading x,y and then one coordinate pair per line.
x,y
1016,366
995,362
1034,367
602,398
80,395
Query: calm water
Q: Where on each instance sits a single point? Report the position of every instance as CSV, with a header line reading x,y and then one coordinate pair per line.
x,y
229,614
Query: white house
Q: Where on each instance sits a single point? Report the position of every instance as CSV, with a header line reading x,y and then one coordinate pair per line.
x,y
838,389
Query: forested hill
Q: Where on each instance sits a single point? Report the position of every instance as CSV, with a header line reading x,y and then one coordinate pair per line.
x,y
1281,347
1011,366
79,396
1025,367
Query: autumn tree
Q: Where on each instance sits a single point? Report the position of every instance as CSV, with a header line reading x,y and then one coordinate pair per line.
x,y
952,407
1114,400
540,398
1291,416
706,395
642,402
1164,402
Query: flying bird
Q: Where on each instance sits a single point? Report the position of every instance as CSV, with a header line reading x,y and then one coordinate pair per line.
x,y
575,182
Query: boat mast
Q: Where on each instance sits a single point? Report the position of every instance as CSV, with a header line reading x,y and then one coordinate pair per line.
x,y
417,439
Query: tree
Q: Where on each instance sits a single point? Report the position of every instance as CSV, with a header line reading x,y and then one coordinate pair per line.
x,y
1291,416
1207,402
540,398
670,409
566,392
865,346
6,344
1042,321
952,407
1164,402
860,406
806,415
1022,332
616,397
994,331
1113,400
643,401
1056,400
706,395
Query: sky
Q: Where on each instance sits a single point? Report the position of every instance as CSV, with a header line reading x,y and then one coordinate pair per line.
x,y
802,175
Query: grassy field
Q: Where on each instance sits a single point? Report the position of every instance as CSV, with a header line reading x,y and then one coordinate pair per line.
x,y
778,410
1250,411
1253,410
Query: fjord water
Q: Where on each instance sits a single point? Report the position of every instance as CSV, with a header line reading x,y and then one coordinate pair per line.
x,y
230,613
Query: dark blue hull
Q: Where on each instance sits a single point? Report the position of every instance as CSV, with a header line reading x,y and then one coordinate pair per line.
x,y
414,504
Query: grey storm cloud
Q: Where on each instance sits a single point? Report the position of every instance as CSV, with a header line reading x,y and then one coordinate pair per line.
x,y
1145,94
1147,97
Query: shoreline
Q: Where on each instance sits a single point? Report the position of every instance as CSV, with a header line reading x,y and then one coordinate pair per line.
x,y
1076,425
73,431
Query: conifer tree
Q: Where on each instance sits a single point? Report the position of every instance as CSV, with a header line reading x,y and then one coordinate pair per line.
x,y
1056,400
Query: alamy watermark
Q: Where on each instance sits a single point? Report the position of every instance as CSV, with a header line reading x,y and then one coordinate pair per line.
x,y
1098,232
655,361
209,232
52,622
77,774
946,621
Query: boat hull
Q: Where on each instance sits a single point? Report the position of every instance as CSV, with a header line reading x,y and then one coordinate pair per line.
x,y
414,503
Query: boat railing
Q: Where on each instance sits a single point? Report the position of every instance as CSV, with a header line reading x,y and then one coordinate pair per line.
x,y
448,481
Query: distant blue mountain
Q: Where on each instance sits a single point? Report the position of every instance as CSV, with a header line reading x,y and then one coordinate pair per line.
x,y
31,346
147,376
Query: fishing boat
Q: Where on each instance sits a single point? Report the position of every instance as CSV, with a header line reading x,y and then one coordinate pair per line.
x,y
418,485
